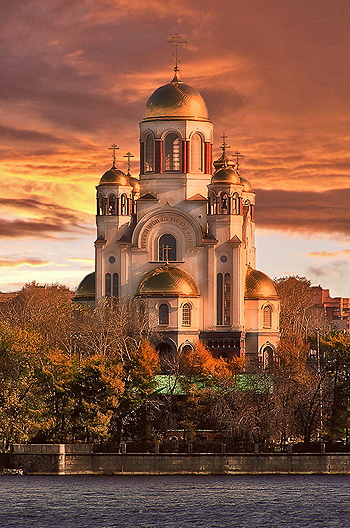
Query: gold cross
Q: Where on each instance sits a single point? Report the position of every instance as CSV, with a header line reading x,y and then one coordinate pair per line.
x,y
114,148
176,40
224,145
166,251
128,155
238,155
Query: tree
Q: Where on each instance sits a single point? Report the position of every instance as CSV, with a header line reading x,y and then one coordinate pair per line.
x,y
298,317
336,346
21,403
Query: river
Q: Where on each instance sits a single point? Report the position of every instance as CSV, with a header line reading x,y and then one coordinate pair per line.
x,y
175,502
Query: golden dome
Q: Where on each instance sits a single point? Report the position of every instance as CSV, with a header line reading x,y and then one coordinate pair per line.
x,y
176,100
168,281
246,184
259,286
135,183
114,176
225,175
86,289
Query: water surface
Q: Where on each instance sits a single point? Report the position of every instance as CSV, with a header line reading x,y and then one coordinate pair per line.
x,y
175,502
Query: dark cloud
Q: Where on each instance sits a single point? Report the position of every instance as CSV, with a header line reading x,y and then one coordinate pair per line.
x,y
32,136
49,219
305,212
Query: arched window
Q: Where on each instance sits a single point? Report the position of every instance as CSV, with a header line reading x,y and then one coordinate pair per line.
x,y
196,153
111,204
123,204
163,314
115,285
234,204
267,357
211,205
186,315
223,299
167,248
108,285
219,298
227,299
100,202
267,317
224,203
172,152
149,153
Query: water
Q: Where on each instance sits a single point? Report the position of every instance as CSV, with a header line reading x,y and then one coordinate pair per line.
x,y
175,502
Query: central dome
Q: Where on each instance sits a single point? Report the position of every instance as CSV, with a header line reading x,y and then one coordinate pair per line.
x,y
168,281
176,100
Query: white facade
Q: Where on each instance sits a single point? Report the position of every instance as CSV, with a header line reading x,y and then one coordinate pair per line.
x,y
182,236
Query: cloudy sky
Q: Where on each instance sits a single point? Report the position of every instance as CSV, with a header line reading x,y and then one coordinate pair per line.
x,y
75,77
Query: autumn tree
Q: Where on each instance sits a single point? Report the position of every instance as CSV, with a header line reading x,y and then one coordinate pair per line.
x,y
336,346
298,316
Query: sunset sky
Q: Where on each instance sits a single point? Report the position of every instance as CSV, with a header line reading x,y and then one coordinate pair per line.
x,y
75,78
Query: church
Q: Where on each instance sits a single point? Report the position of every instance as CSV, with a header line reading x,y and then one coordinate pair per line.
x,y
181,237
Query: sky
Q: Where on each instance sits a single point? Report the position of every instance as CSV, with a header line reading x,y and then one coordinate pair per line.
x,y
75,78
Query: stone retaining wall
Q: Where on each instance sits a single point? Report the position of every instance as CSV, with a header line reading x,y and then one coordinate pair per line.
x,y
61,459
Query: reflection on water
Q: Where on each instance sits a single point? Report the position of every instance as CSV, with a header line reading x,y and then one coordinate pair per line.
x,y
175,502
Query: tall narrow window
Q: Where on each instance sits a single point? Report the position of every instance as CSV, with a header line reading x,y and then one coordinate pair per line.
x,y
224,204
172,152
111,204
267,317
268,357
219,298
108,284
123,204
196,153
227,299
100,201
149,153
163,317
186,315
167,248
115,285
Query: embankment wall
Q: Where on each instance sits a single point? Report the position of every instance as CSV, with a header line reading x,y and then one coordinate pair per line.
x,y
61,459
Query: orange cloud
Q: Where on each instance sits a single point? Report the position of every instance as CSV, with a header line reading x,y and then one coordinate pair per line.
x,y
341,254
17,262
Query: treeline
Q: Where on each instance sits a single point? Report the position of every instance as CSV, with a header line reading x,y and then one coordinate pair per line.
x,y
72,374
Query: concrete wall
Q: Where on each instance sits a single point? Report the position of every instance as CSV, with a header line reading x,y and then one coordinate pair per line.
x,y
63,459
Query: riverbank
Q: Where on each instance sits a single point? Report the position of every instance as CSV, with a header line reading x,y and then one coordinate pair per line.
x,y
64,459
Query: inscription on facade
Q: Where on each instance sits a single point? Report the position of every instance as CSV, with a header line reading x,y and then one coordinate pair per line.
x,y
167,218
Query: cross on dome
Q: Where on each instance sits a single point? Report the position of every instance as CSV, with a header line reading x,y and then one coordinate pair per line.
x,y
114,148
129,155
176,40
238,155
224,145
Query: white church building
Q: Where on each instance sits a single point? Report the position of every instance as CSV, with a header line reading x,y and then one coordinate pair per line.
x,y
181,237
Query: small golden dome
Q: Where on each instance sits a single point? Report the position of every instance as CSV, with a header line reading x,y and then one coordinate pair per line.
x,y
226,175
86,289
246,184
259,286
168,281
135,183
114,176
176,99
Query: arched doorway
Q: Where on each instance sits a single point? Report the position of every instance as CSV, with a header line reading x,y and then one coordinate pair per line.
x,y
166,355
